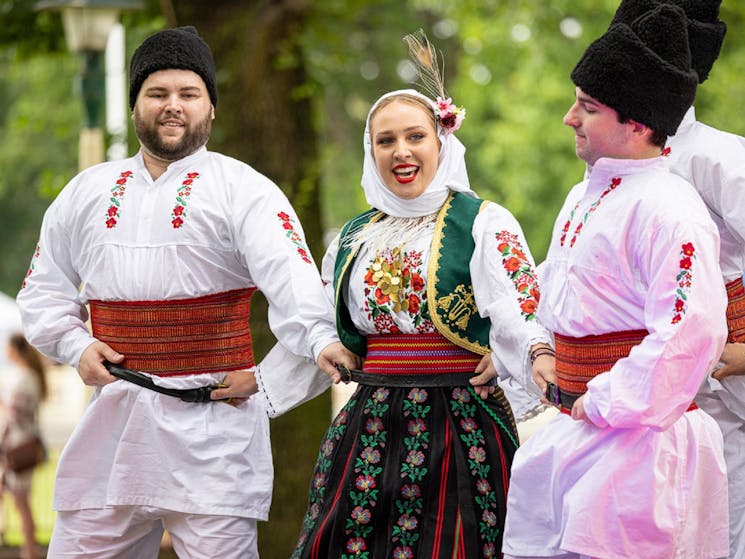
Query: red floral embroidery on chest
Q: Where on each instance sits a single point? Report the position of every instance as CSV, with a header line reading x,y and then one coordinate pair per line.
x,y
615,182
117,193
178,214
182,198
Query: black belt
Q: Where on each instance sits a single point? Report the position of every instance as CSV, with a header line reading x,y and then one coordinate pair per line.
x,y
406,381
200,394
558,397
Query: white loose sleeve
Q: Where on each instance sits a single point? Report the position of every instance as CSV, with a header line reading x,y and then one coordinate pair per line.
x,y
271,245
52,312
506,291
684,310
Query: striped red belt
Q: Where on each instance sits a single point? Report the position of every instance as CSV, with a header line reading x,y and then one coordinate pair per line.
x,y
579,360
417,354
736,311
178,337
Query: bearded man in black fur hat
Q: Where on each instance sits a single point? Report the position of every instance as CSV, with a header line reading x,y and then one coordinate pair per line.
x,y
166,248
632,290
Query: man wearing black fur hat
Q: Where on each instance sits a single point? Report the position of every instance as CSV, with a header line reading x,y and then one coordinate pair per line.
x,y
632,290
714,162
167,248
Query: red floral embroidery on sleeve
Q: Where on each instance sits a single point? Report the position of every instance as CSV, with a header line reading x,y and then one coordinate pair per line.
x,y
297,240
684,277
182,197
117,193
521,273
31,267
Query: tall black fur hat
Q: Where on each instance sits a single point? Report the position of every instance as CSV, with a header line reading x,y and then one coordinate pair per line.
x,y
179,48
643,71
705,30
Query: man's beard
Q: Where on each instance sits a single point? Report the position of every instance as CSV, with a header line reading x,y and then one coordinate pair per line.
x,y
193,139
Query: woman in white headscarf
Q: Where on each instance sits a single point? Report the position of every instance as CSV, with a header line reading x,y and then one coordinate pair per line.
x,y
435,291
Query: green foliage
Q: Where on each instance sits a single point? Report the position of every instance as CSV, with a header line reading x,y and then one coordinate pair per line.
x,y
38,155
28,30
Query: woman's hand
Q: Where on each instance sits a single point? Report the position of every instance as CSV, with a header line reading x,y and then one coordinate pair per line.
x,y
237,387
733,358
336,354
484,384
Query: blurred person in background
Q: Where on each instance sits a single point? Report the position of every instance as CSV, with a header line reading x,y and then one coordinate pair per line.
x,y
25,389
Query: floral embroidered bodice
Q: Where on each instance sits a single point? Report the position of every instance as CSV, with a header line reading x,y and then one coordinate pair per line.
x,y
388,287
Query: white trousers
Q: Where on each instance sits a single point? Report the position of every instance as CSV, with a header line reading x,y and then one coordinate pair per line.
x,y
733,431
135,532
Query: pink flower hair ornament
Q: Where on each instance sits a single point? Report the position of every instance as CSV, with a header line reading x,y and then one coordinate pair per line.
x,y
449,115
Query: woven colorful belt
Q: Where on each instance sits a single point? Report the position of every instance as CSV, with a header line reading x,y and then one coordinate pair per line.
x,y
579,360
417,354
736,311
178,337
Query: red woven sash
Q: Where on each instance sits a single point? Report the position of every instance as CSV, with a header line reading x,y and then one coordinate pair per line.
x,y
411,354
178,337
579,360
736,311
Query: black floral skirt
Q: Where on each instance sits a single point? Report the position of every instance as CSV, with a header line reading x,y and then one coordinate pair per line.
x,y
409,473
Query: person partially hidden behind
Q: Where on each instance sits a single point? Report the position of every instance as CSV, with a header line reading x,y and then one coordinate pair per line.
x,y
25,388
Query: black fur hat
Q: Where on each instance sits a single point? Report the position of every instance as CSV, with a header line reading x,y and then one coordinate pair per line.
x,y
705,30
643,71
180,48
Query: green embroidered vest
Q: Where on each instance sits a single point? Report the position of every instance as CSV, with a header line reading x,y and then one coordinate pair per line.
x,y
449,291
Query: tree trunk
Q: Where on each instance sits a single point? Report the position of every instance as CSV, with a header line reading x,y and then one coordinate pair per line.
x,y
261,119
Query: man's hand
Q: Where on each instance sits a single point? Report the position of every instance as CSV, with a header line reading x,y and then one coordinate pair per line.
x,y
733,358
336,354
238,387
578,411
485,383
91,368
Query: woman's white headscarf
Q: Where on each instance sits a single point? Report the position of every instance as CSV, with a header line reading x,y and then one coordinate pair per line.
x,y
451,174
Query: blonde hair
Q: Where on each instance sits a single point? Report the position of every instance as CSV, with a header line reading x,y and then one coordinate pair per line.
x,y
404,98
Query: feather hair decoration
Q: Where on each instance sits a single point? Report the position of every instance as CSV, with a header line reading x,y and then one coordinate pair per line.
x,y
425,58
